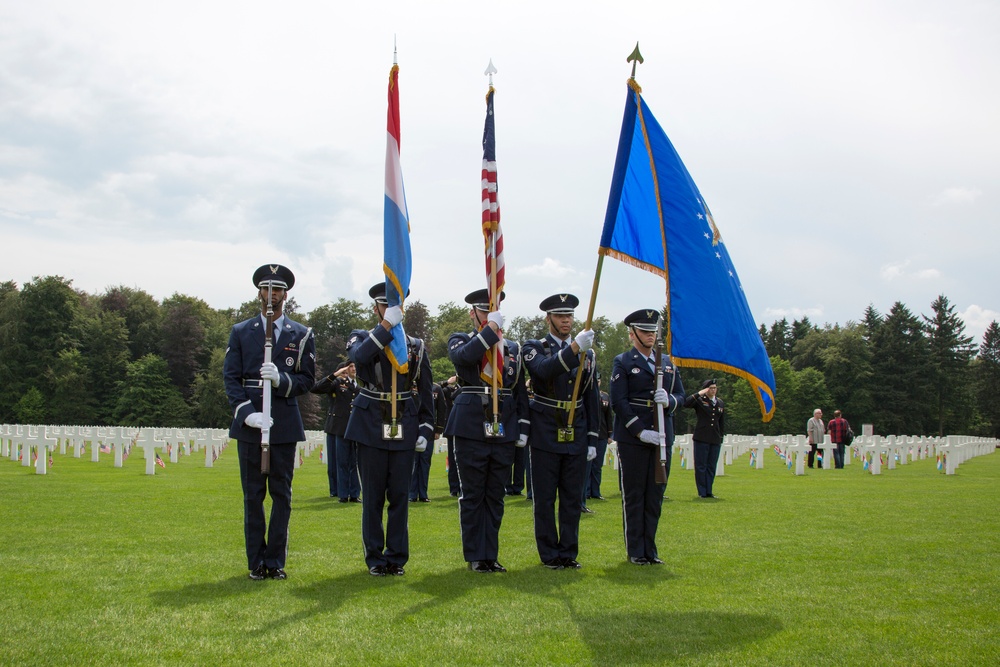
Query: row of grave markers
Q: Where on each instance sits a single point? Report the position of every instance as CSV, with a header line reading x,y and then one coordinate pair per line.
x,y
871,450
18,441
33,444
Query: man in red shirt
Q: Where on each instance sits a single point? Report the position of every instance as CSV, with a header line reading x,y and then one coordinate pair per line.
x,y
837,428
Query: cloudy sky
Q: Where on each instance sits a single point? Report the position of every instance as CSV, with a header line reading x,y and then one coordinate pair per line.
x,y
849,150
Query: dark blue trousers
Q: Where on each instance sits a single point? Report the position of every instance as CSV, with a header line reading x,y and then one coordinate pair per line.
x,y
348,482
483,471
642,497
272,549
385,476
421,472
555,475
706,458
331,463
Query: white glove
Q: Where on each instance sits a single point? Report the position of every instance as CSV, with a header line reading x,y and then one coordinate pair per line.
x,y
270,372
256,420
650,437
421,443
591,453
497,318
393,315
585,339
522,440
661,397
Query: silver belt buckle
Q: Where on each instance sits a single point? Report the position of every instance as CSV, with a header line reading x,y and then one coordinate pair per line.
x,y
492,430
392,431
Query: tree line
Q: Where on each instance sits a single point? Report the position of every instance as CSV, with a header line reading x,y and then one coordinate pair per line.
x,y
125,358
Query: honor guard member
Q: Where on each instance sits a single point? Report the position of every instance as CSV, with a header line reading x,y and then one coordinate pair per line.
x,y
290,374
385,459
634,397
707,438
484,445
559,449
341,453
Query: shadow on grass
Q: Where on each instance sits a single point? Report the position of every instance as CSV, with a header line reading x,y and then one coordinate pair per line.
x,y
207,591
622,638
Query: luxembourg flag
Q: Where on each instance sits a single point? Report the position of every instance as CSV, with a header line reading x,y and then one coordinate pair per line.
x,y
397,260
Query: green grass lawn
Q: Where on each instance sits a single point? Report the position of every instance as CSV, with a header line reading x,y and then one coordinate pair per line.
x,y
105,566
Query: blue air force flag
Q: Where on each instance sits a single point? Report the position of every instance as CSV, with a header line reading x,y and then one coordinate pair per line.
x,y
657,220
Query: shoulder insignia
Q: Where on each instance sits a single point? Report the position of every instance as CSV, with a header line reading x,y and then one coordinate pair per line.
x,y
352,341
227,350
615,376
290,361
510,370
636,370
531,355
312,356
458,343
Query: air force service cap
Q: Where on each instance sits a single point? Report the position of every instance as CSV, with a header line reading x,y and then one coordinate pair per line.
x,y
480,299
274,275
377,292
559,304
643,320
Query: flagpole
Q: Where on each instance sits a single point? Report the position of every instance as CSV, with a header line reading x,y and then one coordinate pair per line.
x,y
494,297
634,57
590,317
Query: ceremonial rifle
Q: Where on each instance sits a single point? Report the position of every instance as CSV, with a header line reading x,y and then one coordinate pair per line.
x,y
661,468
265,429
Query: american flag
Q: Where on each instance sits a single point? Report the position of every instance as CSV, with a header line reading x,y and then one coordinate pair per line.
x,y
159,461
105,448
492,234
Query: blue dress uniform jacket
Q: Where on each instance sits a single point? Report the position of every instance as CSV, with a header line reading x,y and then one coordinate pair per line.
x,y
294,354
473,403
484,463
374,374
633,382
553,374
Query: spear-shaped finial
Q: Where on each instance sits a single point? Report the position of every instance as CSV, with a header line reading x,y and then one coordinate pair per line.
x,y
490,71
396,63
633,58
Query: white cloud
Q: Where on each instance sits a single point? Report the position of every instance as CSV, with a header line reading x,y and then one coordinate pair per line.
x,y
956,196
901,270
977,319
794,313
548,269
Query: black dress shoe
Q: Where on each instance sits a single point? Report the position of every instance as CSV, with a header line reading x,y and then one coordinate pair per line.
x,y
638,560
425,500
495,566
343,500
377,570
655,561
354,500
587,510
571,564
258,573
598,497
276,573
554,564
395,570
480,566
